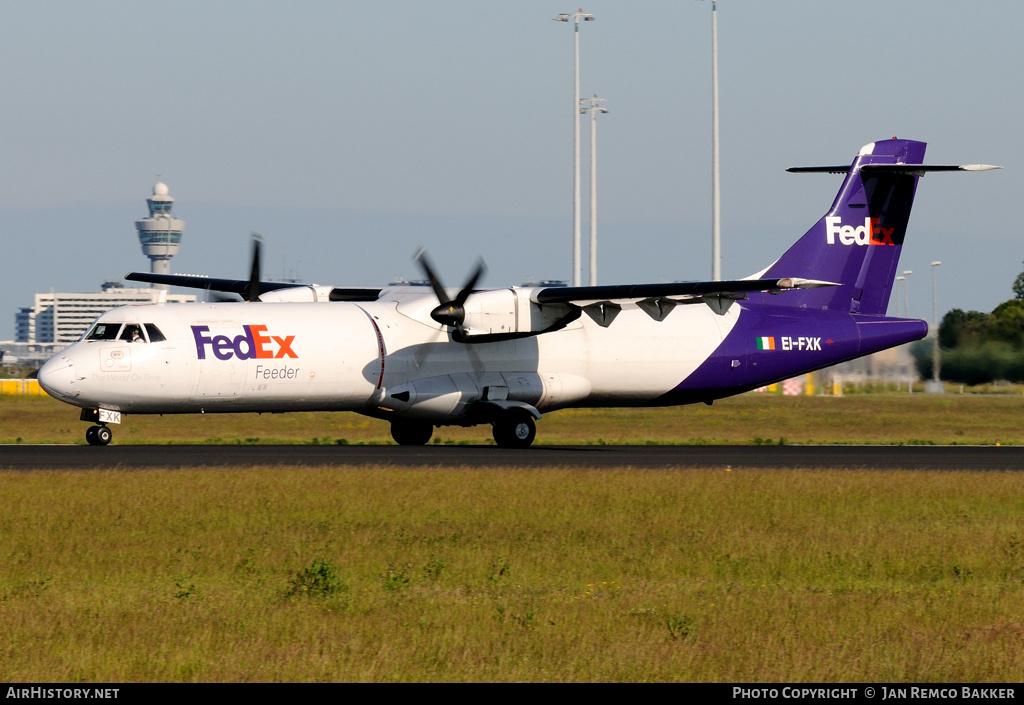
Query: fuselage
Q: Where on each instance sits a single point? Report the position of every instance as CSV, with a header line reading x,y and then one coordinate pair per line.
x,y
387,357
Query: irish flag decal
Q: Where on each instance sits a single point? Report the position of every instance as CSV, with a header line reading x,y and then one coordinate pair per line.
x,y
766,343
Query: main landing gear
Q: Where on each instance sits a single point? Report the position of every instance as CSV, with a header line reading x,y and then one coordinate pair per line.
x,y
515,429
411,433
98,435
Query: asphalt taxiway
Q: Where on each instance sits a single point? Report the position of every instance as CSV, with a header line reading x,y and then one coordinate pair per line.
x,y
141,457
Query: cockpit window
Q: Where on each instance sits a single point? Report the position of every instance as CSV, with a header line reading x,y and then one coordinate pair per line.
x,y
155,336
104,331
132,333
129,332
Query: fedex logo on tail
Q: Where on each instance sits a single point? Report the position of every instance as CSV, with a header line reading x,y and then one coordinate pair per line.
x,y
871,233
252,343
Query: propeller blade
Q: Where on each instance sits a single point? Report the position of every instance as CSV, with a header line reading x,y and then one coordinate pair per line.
x,y
481,269
435,283
253,290
450,312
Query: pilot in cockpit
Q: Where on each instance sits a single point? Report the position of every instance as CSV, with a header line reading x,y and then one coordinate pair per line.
x,y
132,334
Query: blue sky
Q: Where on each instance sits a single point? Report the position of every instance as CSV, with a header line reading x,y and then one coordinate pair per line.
x,y
349,133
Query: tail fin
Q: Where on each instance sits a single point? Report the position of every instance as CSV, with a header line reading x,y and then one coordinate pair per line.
x,y
857,244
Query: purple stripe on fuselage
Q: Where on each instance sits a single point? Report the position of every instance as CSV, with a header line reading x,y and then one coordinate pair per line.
x,y
803,341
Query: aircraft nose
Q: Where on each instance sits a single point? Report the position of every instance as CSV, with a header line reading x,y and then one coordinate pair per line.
x,y
57,377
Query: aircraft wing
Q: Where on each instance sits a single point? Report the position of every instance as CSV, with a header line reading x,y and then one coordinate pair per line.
x,y
603,303
197,281
621,293
241,286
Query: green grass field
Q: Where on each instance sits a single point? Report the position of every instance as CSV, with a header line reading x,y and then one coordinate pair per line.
x,y
366,574
463,574
750,418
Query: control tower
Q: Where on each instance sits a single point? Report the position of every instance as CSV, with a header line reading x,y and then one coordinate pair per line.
x,y
160,233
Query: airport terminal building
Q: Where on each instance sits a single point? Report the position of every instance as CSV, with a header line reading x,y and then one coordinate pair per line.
x,y
64,318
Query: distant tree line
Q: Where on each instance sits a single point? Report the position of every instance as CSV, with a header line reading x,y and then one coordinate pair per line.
x,y
977,347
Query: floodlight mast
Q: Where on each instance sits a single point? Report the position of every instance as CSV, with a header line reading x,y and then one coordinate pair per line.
x,y
936,384
716,195
906,291
716,200
593,107
575,17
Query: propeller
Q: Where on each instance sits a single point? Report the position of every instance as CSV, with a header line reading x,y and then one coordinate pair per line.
x,y
450,312
252,291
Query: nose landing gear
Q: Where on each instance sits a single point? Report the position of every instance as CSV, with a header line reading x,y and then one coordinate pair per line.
x,y
98,435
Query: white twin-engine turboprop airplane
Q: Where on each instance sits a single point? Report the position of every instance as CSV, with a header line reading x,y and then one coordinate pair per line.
x,y
422,357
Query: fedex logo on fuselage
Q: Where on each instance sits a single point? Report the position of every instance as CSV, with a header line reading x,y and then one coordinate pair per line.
x,y
252,343
871,233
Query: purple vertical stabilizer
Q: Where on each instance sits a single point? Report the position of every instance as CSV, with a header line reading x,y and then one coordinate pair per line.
x,y
857,243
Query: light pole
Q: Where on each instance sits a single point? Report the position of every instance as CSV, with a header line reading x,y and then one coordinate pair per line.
x,y
575,17
899,303
936,386
906,305
594,107
716,203
906,291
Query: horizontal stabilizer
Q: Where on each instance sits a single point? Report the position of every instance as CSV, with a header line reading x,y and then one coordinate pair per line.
x,y
819,169
916,169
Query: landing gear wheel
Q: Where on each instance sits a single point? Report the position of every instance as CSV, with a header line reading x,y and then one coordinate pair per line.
x,y
411,433
515,431
98,435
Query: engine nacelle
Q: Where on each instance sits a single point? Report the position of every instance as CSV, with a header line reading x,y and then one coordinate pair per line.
x,y
298,294
502,311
